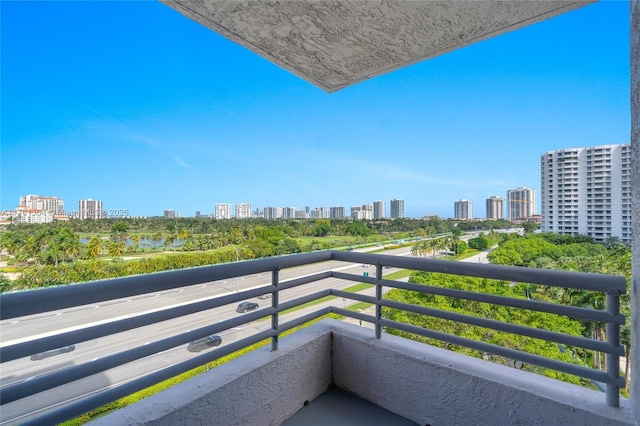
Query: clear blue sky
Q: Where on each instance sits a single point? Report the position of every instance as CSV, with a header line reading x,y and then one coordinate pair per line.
x,y
135,105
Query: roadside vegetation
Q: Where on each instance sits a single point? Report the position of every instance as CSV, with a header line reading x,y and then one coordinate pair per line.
x,y
537,250
76,251
80,251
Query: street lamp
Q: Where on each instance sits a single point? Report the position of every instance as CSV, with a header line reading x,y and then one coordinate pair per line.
x,y
237,282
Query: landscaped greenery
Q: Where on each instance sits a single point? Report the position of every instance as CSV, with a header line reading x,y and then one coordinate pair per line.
x,y
54,254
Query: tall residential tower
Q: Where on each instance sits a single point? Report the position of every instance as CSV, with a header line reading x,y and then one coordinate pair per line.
x,y
521,203
587,191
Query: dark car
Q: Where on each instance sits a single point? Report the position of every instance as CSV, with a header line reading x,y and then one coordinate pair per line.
x,y
52,352
204,343
247,307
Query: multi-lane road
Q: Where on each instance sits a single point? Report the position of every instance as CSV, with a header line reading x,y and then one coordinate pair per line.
x,y
28,328
51,323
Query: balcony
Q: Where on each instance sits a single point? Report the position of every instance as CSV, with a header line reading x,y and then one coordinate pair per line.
x,y
411,381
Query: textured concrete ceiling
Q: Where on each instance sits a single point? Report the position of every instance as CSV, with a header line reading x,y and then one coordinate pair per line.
x,y
334,44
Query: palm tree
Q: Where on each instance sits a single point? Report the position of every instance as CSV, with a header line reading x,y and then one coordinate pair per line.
x,y
95,247
135,239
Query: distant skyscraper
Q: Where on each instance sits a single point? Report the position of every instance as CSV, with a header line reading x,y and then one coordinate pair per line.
x,y
272,213
169,214
243,211
494,207
289,212
397,208
90,209
587,191
336,212
223,211
521,203
362,212
52,205
379,210
463,209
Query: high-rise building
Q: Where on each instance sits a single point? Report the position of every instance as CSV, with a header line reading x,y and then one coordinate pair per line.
x,y
222,211
379,210
361,213
272,212
463,209
397,208
521,203
587,191
169,214
52,205
336,212
90,209
243,211
289,212
494,207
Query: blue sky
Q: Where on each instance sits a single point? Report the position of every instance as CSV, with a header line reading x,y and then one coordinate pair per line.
x,y
135,105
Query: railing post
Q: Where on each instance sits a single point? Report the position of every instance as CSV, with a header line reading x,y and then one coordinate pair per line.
x,y
275,279
378,298
613,360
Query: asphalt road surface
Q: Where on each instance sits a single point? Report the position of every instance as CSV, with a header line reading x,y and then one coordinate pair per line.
x,y
28,328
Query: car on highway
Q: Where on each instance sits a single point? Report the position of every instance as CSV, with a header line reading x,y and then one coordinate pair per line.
x,y
265,296
53,352
204,343
247,307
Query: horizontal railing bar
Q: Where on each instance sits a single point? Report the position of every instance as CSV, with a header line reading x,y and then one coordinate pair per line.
x,y
353,314
576,370
303,319
23,303
302,300
556,278
287,284
128,388
534,305
355,296
41,383
19,350
158,376
567,339
576,341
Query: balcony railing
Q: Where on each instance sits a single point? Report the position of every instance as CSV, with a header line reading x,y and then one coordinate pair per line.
x,y
21,304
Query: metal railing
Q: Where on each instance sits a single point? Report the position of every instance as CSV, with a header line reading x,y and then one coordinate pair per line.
x,y
20,304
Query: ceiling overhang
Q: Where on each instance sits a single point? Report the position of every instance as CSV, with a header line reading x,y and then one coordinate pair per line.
x,y
334,44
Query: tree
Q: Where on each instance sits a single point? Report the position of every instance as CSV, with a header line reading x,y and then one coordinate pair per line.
x,y
322,228
95,247
358,229
119,231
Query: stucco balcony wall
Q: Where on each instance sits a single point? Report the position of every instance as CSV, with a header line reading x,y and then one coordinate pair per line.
x,y
421,383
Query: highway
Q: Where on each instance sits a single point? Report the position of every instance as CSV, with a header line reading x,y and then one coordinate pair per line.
x,y
51,323
28,328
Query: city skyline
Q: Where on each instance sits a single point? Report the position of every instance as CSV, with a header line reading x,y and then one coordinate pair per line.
x,y
166,114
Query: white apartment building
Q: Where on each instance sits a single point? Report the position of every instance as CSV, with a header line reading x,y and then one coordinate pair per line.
x,y
361,212
495,207
54,205
397,208
289,212
587,191
222,211
90,209
521,203
336,212
27,215
379,210
272,212
463,209
243,211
